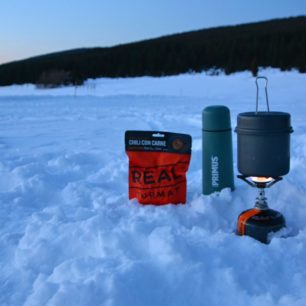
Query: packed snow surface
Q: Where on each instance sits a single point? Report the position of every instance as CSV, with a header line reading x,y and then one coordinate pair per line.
x,y
70,236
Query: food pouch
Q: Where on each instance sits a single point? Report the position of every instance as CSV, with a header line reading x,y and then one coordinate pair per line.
x,y
158,162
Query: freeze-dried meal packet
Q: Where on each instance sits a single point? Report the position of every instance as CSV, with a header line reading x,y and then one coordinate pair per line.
x,y
158,162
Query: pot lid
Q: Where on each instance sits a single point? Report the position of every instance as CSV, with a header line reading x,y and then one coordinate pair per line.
x,y
279,121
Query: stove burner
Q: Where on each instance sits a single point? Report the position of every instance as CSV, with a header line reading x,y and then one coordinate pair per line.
x,y
261,179
260,182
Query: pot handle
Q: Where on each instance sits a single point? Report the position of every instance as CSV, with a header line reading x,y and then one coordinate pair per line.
x,y
266,91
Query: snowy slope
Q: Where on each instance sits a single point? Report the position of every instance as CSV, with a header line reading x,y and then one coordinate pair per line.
x,y
69,235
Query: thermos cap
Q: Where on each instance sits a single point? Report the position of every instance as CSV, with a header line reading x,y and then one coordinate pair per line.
x,y
216,118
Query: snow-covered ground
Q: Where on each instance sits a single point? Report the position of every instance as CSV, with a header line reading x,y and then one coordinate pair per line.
x,y
70,236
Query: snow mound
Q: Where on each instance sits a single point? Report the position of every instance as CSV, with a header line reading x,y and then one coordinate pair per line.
x,y
70,236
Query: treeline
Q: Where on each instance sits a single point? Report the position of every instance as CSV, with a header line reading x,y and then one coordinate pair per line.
x,y
279,43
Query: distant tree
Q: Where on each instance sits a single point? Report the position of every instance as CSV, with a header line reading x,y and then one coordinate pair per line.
x,y
53,78
254,67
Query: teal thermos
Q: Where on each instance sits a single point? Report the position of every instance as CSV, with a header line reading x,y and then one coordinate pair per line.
x,y
217,149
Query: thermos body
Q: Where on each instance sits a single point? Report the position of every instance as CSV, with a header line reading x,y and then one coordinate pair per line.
x,y
217,152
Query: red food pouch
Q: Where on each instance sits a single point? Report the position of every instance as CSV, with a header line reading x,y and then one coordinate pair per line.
x,y
158,162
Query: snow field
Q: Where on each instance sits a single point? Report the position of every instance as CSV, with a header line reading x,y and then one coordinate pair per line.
x,y
70,236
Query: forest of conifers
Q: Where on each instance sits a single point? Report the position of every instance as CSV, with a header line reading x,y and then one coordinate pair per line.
x,y
279,43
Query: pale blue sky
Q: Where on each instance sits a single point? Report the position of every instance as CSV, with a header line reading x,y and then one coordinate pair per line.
x,y
34,27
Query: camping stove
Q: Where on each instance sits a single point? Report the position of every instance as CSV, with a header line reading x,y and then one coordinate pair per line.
x,y
260,221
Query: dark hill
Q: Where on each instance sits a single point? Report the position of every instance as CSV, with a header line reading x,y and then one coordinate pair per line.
x,y
279,43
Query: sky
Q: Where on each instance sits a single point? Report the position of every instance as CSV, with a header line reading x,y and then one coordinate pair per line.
x,y
34,27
